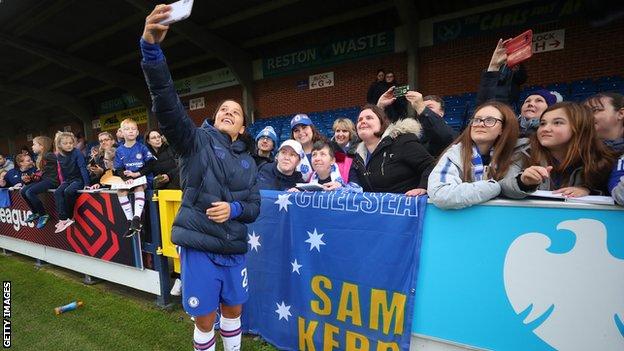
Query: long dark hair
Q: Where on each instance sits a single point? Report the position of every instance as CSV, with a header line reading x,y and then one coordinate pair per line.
x,y
503,145
584,148
316,135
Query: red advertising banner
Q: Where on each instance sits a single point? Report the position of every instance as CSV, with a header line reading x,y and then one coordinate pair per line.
x,y
97,232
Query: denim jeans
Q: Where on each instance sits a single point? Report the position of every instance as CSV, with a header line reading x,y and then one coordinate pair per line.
x,y
30,194
65,196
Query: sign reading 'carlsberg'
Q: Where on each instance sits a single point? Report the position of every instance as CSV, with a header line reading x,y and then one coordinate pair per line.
x,y
309,285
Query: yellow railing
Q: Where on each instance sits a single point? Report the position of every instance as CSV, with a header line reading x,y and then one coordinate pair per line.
x,y
168,204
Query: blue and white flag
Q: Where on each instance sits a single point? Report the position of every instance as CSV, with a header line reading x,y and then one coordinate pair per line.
x,y
334,268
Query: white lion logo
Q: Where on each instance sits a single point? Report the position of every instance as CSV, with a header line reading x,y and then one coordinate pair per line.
x,y
579,294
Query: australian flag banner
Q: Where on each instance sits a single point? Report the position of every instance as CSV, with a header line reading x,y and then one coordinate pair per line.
x,y
334,270
5,198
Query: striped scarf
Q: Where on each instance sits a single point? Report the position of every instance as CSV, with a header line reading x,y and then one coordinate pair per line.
x,y
334,175
616,145
479,171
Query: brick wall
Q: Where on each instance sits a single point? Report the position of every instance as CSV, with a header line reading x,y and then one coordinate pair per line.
x,y
589,52
279,96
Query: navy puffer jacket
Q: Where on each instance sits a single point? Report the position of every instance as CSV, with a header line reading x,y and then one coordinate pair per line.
x,y
212,168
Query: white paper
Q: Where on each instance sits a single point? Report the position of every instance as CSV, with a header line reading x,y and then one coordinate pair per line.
x,y
589,199
309,187
134,182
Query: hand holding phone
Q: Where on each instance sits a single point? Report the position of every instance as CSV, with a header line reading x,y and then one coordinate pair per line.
x,y
400,91
519,49
180,10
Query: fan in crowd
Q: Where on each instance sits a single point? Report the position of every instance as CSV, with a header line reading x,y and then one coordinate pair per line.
x,y
389,158
608,110
20,175
282,174
490,88
565,156
165,167
266,140
96,166
5,164
469,171
378,87
345,137
304,131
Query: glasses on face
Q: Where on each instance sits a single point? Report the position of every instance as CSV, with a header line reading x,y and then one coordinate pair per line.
x,y
487,121
103,140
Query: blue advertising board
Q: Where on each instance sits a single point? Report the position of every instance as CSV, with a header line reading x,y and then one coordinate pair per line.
x,y
523,278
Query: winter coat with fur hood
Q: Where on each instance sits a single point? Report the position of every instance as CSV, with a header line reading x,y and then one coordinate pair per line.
x,y
398,164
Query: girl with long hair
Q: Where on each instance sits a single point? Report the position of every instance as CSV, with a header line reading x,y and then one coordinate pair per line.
x,y
565,156
469,171
44,179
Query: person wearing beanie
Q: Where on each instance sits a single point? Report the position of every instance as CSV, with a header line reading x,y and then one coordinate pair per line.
x,y
532,107
265,144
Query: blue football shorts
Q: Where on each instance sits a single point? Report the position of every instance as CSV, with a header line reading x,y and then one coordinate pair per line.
x,y
206,284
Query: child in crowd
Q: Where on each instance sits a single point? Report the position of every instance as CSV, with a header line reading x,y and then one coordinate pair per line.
x,y
469,171
20,176
73,176
565,156
304,131
45,178
130,158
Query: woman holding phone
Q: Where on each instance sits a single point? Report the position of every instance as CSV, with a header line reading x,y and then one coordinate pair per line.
x,y
220,195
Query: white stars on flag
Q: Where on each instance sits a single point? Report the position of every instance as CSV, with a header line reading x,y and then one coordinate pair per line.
x,y
254,241
295,266
283,311
315,240
283,202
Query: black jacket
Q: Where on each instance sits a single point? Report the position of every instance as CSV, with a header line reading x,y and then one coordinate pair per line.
x,y
270,178
212,168
375,91
437,135
166,163
503,85
261,160
49,168
398,164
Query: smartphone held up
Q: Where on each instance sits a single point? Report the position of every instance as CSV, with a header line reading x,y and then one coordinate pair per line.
x,y
519,49
180,10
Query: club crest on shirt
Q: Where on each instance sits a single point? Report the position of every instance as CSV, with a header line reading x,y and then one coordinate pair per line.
x,y
193,301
